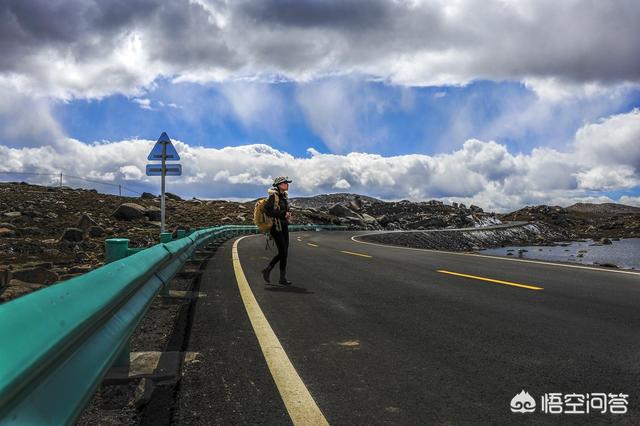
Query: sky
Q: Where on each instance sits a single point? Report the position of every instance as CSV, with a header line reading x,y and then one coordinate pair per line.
x,y
500,104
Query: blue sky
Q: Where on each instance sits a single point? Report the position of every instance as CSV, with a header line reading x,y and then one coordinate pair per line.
x,y
401,120
498,103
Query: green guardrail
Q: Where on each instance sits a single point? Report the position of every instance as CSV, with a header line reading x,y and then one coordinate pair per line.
x,y
59,342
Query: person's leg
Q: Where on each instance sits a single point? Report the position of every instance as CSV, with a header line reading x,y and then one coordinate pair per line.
x,y
278,240
284,255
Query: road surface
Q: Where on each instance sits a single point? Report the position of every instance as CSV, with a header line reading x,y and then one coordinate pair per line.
x,y
389,335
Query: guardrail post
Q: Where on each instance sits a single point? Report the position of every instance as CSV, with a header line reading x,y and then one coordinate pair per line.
x,y
166,237
115,249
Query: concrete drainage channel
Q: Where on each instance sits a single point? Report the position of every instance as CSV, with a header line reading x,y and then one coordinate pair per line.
x,y
144,393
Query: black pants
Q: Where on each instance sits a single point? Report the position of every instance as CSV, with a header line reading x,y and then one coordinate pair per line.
x,y
281,239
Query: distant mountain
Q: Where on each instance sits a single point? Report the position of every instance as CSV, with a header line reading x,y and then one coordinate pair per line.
x,y
603,209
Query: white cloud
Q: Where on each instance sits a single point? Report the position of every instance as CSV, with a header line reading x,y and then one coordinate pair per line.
x,y
256,105
342,184
614,141
143,103
630,201
90,48
481,173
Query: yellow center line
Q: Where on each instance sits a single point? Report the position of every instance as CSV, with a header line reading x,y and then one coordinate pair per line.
x,y
529,287
312,245
300,405
354,254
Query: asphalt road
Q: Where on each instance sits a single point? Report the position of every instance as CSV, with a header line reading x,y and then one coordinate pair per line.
x,y
381,335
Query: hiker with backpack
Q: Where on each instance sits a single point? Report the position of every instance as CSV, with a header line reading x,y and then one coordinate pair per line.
x,y
272,215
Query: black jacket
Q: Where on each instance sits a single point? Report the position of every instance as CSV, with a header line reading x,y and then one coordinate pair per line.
x,y
277,212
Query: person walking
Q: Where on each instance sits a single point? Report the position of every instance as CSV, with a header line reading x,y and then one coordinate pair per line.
x,y
278,208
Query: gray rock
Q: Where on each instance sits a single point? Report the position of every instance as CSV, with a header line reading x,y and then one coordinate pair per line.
x,y
17,288
72,234
86,222
80,269
7,233
605,241
339,210
154,213
129,211
143,393
171,196
13,214
96,231
36,275
5,276
147,196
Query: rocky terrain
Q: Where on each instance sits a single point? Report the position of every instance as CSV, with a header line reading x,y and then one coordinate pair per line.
x,y
595,221
50,234
361,212
472,240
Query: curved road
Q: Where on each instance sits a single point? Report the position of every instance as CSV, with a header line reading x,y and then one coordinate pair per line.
x,y
388,335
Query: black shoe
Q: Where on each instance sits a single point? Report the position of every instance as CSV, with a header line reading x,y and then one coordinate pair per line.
x,y
265,274
283,280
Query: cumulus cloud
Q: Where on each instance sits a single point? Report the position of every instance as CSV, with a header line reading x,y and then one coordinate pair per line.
x,y
91,48
480,172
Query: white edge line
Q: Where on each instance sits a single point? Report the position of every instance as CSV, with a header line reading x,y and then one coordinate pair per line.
x,y
302,408
354,238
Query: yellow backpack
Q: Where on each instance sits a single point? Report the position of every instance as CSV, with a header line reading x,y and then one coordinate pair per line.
x,y
260,217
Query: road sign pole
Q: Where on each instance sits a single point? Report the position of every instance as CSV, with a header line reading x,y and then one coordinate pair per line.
x,y
164,172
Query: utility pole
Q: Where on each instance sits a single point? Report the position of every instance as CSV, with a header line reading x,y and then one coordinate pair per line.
x,y
164,172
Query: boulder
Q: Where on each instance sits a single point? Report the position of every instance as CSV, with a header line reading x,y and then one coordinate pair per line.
x,y
96,231
147,196
369,220
605,241
356,204
86,222
72,234
17,288
36,275
5,276
80,269
6,232
154,213
171,196
129,211
339,210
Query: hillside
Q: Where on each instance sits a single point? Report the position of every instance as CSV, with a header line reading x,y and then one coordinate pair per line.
x,y
50,234
584,220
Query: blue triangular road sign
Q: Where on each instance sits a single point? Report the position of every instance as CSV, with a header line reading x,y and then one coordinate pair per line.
x,y
170,153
